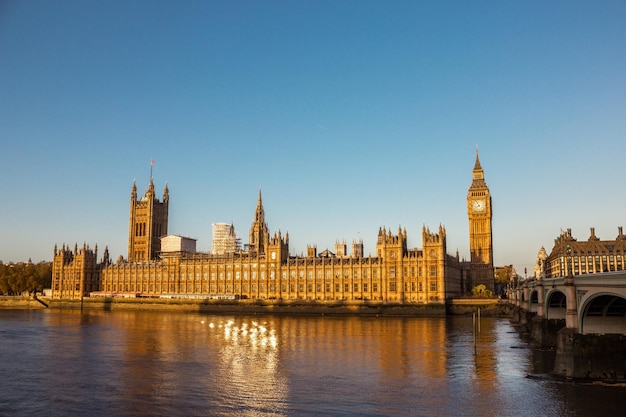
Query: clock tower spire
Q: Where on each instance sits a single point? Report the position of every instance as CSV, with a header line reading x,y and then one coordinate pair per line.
x,y
479,211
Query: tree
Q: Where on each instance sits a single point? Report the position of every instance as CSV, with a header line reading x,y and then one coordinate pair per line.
x,y
21,277
481,291
504,274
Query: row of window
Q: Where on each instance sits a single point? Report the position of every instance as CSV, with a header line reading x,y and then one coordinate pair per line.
x,y
228,288
140,255
141,229
309,274
261,277
590,264
596,252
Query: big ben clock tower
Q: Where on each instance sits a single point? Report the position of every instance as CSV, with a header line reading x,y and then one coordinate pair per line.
x,y
479,213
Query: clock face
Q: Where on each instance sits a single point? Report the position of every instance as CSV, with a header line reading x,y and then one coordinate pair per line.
x,y
479,205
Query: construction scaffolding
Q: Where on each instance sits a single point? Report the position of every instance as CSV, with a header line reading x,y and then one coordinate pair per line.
x,y
225,240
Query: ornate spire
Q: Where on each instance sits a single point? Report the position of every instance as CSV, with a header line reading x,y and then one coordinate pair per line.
x,y
150,189
478,175
260,213
477,166
259,233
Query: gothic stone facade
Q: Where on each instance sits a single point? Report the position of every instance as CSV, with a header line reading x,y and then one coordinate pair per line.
x,y
399,275
396,274
76,272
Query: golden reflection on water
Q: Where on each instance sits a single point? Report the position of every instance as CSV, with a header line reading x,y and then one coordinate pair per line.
x,y
250,362
233,360
167,356
165,363
169,363
249,358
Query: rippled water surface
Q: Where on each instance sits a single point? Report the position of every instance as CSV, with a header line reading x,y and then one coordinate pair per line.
x,y
169,364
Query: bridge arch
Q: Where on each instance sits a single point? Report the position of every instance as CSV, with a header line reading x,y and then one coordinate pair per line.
x,y
603,313
556,305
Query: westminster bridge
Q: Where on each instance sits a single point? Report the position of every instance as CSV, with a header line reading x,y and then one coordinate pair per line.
x,y
589,304
583,317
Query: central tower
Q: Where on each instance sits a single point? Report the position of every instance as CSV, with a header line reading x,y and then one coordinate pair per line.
x,y
259,233
479,212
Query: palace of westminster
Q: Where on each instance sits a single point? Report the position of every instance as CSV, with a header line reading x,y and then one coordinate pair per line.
x,y
166,266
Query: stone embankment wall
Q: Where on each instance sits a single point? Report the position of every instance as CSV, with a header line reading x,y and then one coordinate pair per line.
x,y
487,307
255,307
20,303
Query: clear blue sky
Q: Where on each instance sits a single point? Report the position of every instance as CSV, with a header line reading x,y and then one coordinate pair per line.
x,y
350,115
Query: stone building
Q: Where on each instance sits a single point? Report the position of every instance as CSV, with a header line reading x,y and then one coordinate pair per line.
x,y
266,270
572,257
76,273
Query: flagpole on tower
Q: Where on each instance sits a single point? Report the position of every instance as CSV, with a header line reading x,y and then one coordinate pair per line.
x,y
151,165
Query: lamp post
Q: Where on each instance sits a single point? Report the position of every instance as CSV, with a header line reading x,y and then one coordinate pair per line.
x,y
571,310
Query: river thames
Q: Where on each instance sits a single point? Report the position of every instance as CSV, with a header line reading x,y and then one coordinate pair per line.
x,y
138,363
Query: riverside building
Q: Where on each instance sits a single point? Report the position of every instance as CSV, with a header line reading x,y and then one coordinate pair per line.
x,y
570,256
265,269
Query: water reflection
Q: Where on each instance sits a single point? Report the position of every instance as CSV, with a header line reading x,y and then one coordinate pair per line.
x,y
158,363
249,362
223,364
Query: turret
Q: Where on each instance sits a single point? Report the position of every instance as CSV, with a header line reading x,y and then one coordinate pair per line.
x,y
388,245
133,192
150,190
278,248
106,259
357,248
341,249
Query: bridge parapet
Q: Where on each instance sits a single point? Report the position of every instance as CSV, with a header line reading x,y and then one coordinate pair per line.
x,y
592,303
583,317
